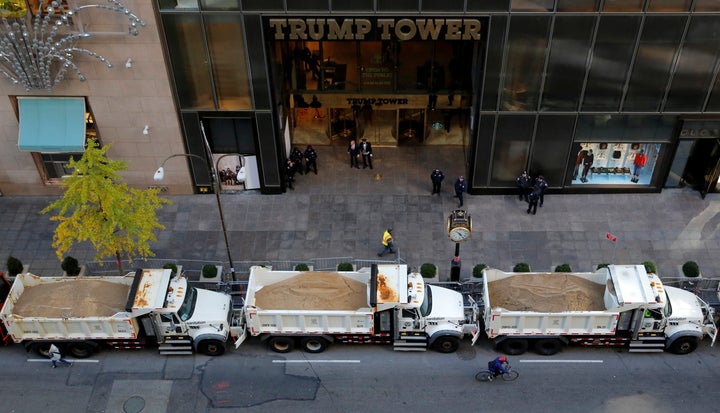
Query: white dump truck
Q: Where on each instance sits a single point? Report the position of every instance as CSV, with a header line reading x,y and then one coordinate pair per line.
x,y
621,305
380,304
148,307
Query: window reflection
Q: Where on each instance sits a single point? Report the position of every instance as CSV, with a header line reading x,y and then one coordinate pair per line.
x,y
525,60
623,5
532,5
577,5
224,33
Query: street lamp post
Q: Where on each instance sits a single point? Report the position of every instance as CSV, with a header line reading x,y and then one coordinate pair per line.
x,y
160,174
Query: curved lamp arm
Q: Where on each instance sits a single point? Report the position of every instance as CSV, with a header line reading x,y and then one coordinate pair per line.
x,y
160,172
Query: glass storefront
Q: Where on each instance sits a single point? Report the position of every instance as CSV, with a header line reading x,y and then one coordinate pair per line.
x,y
603,163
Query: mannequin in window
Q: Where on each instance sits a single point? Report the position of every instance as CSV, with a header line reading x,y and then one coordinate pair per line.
x,y
581,154
639,164
587,163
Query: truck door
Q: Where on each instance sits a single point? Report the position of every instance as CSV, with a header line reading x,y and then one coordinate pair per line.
x,y
408,321
168,325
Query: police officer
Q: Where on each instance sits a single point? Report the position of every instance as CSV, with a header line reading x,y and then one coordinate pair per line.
x,y
436,177
310,159
524,182
460,187
533,201
296,156
290,172
541,185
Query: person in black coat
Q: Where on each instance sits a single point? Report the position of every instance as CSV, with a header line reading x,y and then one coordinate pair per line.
x,y
436,177
460,187
541,185
524,182
310,159
366,152
296,156
290,173
533,201
587,162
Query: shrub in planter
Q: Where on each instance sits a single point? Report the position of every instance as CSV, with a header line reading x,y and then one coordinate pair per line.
x,y
563,268
478,269
691,269
14,266
428,270
302,267
345,266
71,266
602,266
521,267
170,266
650,267
209,271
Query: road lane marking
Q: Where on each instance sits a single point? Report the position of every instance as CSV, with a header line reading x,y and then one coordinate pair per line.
x,y
316,361
560,361
70,360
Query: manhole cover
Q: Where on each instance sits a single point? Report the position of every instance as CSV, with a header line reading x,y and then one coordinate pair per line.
x,y
135,404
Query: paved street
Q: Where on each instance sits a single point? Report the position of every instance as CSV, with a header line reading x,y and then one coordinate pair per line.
x,y
342,212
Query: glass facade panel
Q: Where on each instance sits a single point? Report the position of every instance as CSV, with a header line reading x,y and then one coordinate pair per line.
x,y
486,127
377,65
397,5
714,102
549,150
493,62
658,44
695,66
525,59
256,5
339,66
488,5
178,4
443,5
567,62
669,5
232,85
189,60
301,5
352,5
220,4
577,5
532,5
512,145
613,51
623,5
707,5
414,74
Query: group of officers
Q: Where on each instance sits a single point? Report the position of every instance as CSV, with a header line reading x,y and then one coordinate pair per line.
x,y
300,162
531,190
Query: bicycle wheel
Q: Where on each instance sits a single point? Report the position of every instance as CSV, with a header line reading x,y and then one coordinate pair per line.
x,y
510,376
483,376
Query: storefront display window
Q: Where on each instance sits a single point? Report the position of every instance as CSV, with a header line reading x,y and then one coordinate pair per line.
x,y
608,163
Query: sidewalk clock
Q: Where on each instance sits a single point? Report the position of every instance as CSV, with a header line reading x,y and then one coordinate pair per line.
x,y
459,226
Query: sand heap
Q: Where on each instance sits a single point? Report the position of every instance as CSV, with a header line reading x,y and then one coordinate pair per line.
x,y
546,293
313,290
73,298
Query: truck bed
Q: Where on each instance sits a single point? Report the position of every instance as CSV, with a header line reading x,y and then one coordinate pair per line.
x,y
287,302
546,304
68,308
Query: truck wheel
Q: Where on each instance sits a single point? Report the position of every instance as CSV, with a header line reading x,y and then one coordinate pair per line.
x,y
81,350
514,346
684,345
547,346
281,344
446,344
211,347
41,349
314,344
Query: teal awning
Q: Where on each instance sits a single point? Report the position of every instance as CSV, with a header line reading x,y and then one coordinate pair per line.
x,y
52,124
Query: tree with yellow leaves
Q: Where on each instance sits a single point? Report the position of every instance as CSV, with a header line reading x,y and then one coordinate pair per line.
x,y
98,207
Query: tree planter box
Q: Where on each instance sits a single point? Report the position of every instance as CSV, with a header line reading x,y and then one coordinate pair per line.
x,y
216,278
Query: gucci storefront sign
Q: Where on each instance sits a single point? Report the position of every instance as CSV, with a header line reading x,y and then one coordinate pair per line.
x,y
374,29
700,133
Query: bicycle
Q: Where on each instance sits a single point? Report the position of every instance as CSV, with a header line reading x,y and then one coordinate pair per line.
x,y
487,375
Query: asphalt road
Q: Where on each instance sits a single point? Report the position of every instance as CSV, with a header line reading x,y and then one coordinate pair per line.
x,y
356,378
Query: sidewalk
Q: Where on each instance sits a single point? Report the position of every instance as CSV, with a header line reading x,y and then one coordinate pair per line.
x,y
342,212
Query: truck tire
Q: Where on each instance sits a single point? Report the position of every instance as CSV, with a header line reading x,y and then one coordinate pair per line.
x,y
446,344
281,344
81,350
684,345
211,347
41,349
514,346
547,346
314,344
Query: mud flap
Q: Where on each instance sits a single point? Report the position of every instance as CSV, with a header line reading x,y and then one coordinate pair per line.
x,y
241,338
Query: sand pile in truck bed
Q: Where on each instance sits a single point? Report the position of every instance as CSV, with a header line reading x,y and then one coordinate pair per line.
x,y
73,298
313,290
546,293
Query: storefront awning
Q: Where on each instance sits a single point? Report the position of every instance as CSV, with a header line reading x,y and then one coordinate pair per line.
x,y
52,124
